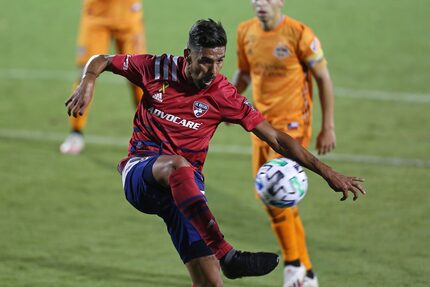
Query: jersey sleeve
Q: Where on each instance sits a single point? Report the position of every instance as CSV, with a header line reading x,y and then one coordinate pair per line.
x,y
236,109
242,61
133,67
310,50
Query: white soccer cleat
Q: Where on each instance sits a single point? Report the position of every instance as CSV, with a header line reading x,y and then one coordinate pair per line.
x,y
311,282
294,276
73,144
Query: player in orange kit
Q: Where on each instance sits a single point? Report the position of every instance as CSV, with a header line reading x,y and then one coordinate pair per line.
x,y
279,56
101,22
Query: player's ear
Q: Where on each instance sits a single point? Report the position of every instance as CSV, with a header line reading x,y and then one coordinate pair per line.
x,y
187,55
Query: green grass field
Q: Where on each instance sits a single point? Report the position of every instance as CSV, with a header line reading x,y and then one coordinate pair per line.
x,y
64,220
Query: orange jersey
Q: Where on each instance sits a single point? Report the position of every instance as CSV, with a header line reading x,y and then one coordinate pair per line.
x,y
115,13
106,20
278,62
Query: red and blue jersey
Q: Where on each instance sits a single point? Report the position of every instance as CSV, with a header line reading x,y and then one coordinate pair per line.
x,y
174,117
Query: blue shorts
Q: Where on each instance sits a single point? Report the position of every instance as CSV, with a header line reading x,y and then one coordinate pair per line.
x,y
148,196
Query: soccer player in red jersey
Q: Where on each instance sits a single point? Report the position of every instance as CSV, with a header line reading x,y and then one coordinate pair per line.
x,y
185,99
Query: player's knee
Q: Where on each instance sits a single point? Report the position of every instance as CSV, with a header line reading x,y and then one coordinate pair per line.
x,y
165,165
169,163
178,161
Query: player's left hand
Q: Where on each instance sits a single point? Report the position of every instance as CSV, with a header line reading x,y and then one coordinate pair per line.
x,y
346,184
326,141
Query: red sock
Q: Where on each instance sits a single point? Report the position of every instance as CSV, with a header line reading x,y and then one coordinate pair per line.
x,y
192,203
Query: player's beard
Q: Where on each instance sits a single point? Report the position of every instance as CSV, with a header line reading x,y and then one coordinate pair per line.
x,y
199,83
202,82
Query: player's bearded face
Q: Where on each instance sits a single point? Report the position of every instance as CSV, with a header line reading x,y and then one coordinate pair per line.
x,y
204,65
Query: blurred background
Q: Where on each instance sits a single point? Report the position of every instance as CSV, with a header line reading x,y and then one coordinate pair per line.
x,y
64,220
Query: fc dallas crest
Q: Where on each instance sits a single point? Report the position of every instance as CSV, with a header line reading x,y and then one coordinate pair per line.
x,y
200,109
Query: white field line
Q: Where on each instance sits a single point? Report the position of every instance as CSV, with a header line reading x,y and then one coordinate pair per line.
x,y
214,148
69,76
382,95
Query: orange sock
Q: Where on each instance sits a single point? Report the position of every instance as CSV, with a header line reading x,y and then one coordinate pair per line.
x,y
283,225
79,122
301,242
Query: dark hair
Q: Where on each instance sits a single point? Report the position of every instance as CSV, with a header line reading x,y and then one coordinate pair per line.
x,y
206,34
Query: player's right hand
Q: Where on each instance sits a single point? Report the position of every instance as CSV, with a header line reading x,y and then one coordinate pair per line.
x,y
80,99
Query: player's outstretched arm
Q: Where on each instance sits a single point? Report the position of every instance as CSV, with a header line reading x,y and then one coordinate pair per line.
x,y
290,148
82,95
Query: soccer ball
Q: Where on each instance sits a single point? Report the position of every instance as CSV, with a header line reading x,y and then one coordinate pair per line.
x,y
281,182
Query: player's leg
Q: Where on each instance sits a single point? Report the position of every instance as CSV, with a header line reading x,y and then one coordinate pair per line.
x,y
148,196
186,187
93,39
132,40
282,219
282,222
178,174
187,216
310,278
205,271
192,217
284,227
